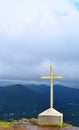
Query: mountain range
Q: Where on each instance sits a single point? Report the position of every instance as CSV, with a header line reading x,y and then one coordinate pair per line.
x,y
18,101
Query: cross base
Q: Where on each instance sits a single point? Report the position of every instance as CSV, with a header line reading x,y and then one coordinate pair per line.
x,y
50,117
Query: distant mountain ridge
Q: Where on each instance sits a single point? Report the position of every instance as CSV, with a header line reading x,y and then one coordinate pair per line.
x,y
17,101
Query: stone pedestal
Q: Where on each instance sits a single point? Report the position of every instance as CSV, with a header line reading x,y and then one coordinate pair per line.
x,y
50,117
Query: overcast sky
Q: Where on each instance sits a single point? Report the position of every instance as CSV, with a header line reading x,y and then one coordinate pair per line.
x,y
35,34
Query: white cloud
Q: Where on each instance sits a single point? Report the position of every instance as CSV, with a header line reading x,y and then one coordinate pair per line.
x,y
37,34
18,16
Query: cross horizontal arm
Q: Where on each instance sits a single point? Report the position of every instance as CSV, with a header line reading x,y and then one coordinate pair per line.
x,y
58,77
51,77
45,77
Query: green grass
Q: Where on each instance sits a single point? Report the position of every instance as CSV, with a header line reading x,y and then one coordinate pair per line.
x,y
66,124
5,125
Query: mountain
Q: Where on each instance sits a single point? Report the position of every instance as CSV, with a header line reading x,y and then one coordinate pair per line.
x,y
22,100
17,101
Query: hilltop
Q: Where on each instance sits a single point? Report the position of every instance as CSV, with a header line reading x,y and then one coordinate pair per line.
x,y
30,125
18,101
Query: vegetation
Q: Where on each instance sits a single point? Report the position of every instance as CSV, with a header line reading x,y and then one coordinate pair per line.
x,y
5,125
66,124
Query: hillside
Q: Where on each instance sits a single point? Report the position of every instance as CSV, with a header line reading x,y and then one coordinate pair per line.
x,y
19,101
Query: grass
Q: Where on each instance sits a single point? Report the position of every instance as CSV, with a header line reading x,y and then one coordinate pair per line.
x,y
66,124
5,125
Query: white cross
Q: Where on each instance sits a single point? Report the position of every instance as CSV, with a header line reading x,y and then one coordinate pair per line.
x,y
51,77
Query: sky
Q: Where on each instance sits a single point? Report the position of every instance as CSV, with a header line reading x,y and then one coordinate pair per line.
x,y
35,35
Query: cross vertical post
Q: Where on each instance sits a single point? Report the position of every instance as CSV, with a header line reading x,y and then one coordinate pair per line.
x,y
51,87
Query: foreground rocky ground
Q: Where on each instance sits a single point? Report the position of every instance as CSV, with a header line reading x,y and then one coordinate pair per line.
x,y
31,125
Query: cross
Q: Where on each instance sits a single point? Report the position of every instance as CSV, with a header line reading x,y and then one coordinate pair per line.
x,y
51,77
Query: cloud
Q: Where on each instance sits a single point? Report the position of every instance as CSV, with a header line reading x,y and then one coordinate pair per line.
x,y
37,34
